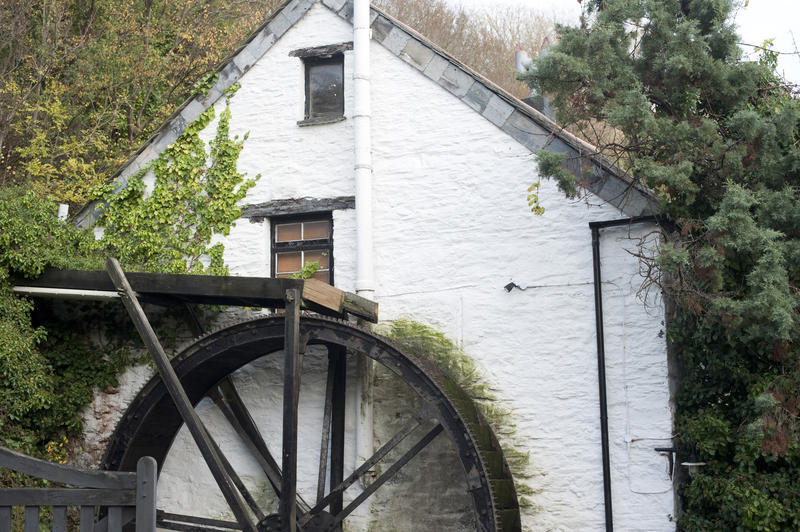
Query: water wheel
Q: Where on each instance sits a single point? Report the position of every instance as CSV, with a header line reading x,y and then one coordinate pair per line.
x,y
437,443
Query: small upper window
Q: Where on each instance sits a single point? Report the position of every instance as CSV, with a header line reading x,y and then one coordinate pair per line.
x,y
324,82
325,87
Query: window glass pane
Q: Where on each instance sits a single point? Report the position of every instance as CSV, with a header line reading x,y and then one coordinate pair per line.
x,y
323,276
289,262
287,232
320,257
325,90
312,230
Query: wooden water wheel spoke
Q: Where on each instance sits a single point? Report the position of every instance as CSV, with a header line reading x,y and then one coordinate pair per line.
x,y
292,367
230,403
326,429
385,449
231,472
173,521
389,473
338,355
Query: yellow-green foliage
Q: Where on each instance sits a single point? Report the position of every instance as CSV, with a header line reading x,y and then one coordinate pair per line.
x,y
49,370
194,197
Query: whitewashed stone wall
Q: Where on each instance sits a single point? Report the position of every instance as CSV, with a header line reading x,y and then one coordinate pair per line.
x,y
451,229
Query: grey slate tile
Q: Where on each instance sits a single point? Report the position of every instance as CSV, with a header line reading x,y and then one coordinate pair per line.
x,y
334,5
416,54
381,28
436,67
192,110
346,11
456,80
525,131
229,75
477,97
244,60
296,9
497,110
261,42
210,97
396,41
279,24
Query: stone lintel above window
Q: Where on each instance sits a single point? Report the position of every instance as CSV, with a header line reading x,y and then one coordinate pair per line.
x,y
328,50
297,206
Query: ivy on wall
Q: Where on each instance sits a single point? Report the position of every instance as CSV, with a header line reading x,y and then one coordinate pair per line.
x,y
50,365
194,196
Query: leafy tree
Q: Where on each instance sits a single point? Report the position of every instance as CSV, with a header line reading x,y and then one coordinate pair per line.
x,y
483,39
83,84
718,139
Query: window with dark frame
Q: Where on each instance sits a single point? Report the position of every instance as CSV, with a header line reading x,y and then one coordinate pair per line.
x,y
324,87
298,241
324,82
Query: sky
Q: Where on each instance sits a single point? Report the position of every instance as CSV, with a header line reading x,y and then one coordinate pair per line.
x,y
758,21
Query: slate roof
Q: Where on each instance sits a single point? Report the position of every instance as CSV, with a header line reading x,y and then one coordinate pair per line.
x,y
525,124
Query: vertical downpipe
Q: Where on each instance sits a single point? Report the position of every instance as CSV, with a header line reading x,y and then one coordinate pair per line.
x,y
365,269
362,122
601,376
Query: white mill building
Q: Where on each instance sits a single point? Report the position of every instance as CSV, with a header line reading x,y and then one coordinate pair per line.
x,y
434,225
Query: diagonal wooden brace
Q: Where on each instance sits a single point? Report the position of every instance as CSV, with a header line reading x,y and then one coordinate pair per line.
x,y
178,394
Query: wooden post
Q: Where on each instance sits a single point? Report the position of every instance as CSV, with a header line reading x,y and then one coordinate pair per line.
x,y
339,359
291,395
146,483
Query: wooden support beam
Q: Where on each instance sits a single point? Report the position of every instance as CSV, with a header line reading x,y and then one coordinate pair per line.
x,y
178,394
169,289
338,357
292,367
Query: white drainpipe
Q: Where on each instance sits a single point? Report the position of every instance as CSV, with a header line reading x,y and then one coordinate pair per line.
x,y
365,268
365,272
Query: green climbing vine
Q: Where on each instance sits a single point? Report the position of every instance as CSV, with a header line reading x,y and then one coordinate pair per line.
x,y
51,360
427,343
170,228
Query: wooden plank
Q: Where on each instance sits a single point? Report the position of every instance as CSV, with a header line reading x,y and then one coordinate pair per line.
x,y
213,290
326,430
5,518
337,355
323,294
59,519
67,497
146,472
87,518
128,515
65,475
115,519
208,289
31,518
361,307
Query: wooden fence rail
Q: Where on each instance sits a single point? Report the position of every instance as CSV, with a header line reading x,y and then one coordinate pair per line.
x,y
125,496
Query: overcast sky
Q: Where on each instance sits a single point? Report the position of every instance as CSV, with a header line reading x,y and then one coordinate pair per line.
x,y
760,20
